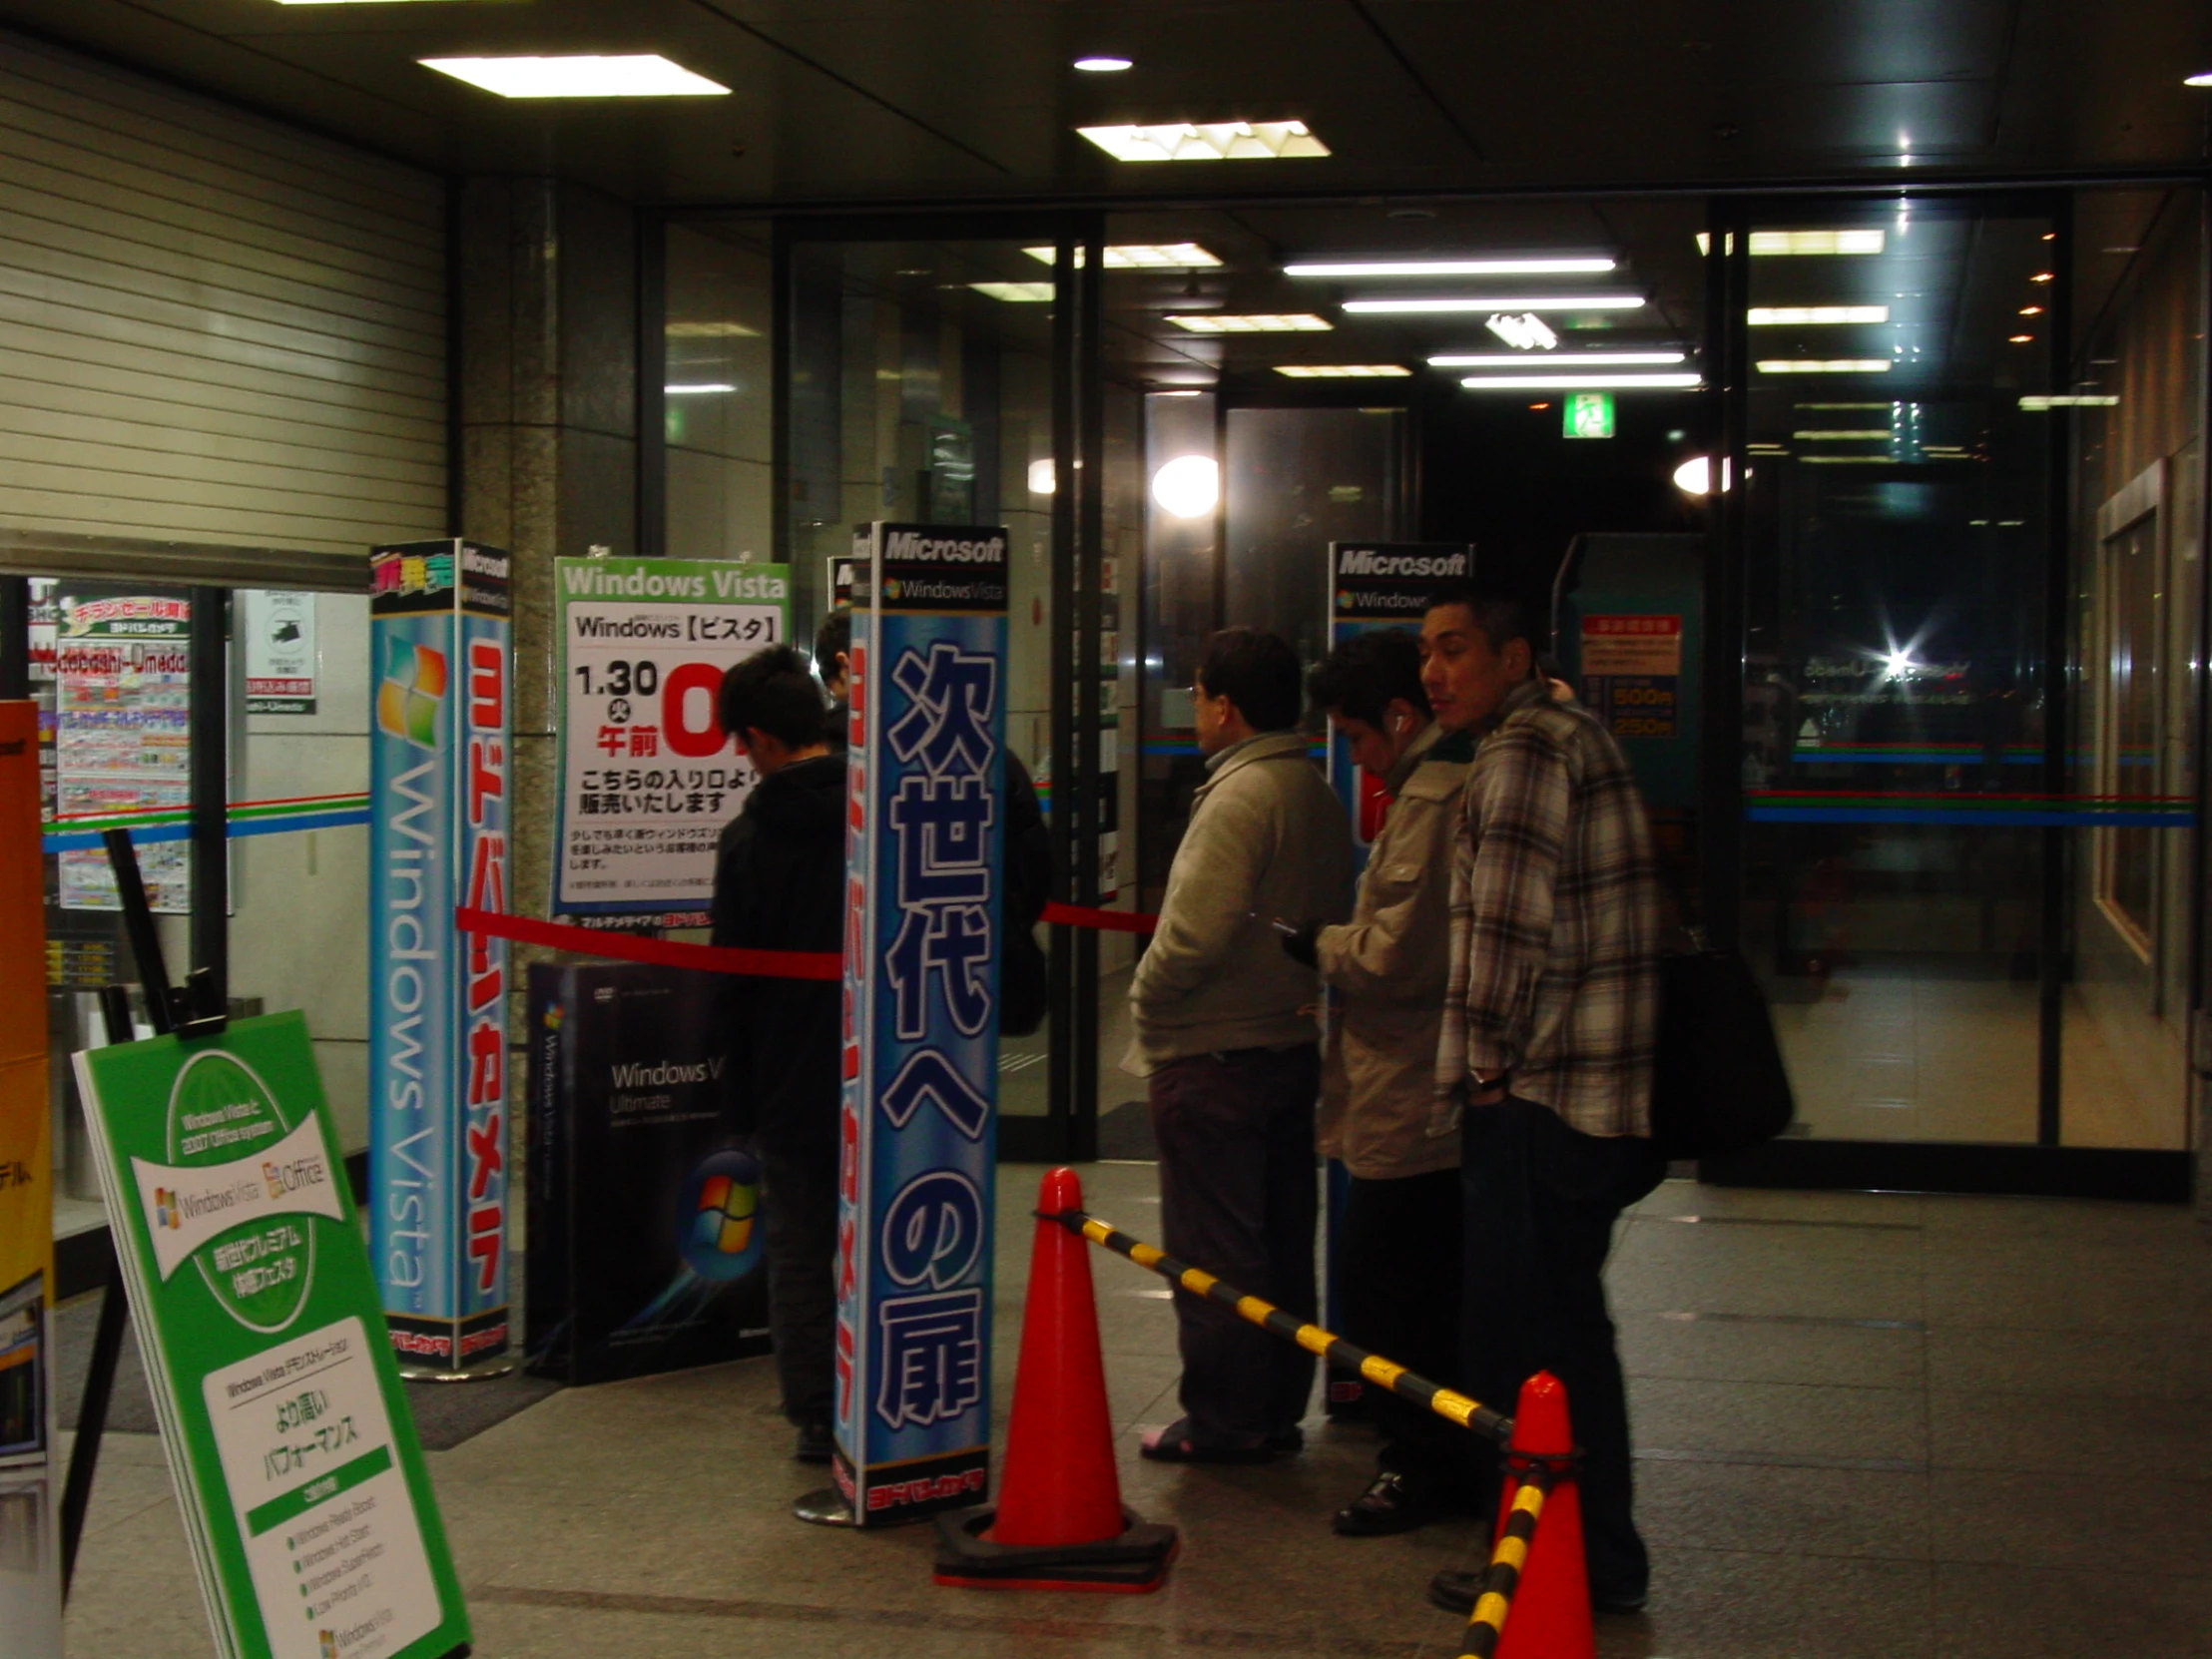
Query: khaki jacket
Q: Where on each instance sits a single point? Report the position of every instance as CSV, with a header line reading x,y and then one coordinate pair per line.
x,y
1389,968
1266,840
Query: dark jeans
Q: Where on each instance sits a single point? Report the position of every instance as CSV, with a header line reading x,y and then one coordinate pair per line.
x,y
1239,1198
802,1222
1398,1268
1542,1199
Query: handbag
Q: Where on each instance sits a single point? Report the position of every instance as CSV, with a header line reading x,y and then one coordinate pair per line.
x,y
1718,1084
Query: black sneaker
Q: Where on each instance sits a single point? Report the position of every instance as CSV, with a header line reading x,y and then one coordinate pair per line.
x,y
1387,1506
817,1441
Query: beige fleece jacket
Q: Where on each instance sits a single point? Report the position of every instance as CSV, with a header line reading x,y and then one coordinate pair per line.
x,y
1266,839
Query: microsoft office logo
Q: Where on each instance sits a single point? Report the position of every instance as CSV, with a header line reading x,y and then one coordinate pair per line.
x,y
407,699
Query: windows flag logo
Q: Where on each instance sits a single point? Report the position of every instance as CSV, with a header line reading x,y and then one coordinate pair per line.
x,y
407,698
166,1211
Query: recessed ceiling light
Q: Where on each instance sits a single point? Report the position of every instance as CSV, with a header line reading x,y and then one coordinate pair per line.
x,y
1218,322
1595,379
1515,359
699,388
1015,293
1341,371
684,330
1510,302
1142,256
1783,316
2032,311
2041,277
2075,400
1824,366
1103,64
1210,141
1523,331
2021,339
1770,242
640,75
1554,266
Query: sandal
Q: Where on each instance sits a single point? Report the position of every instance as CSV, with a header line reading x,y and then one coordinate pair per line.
x,y
1176,1444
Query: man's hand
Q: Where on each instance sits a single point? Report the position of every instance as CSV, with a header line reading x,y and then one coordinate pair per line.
x,y
1297,942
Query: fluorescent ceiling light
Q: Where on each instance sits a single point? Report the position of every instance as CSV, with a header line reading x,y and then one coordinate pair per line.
x,y
1551,267
1769,243
1571,382
1824,366
641,74
699,388
1512,303
1523,331
1341,371
1142,256
682,331
1211,141
1782,316
1103,64
1846,460
2204,79
2075,400
1015,293
1848,405
1580,359
1854,432
1218,322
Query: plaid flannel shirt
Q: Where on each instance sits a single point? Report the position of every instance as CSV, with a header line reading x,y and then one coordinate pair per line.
x,y
1555,924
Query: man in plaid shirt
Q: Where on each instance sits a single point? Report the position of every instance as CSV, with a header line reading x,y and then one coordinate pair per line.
x,y
1547,1053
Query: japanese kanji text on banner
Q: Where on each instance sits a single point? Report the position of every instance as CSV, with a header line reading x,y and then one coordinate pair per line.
x,y
438,838
924,848
648,776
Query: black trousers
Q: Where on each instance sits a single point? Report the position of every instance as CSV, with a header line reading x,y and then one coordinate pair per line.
x,y
802,1222
1398,1284
1542,1199
1239,1198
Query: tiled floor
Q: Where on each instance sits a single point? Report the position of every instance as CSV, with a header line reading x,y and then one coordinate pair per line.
x,y
1870,1425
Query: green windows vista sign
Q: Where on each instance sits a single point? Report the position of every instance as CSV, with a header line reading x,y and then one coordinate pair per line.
x,y
310,1510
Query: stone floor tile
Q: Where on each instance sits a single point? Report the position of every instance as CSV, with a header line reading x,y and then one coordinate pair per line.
x,y
1780,1422
1784,1350
2130,1522
1793,1511
2001,1612
2071,1432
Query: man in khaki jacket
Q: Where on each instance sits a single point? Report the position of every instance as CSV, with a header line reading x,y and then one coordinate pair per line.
x,y
1397,1246
1226,1040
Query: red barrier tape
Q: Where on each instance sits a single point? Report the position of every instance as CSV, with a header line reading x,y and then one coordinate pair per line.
x,y
629,947
716,958
1111,921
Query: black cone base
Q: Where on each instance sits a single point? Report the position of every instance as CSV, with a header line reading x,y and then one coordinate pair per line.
x,y
1133,1563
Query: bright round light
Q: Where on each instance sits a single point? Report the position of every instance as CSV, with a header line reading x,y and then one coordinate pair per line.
x,y
1103,64
1695,476
2204,79
1041,478
1188,487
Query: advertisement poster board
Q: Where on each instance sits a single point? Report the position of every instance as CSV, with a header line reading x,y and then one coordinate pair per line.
x,y
647,1243
437,1056
648,776
123,739
304,1495
30,1475
918,1121
275,633
1373,585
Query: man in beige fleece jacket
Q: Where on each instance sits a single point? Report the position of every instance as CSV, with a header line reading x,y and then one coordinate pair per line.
x,y
1227,1041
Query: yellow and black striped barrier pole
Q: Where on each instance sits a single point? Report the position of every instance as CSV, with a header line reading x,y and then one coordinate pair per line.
x,y
1487,1622
1384,1373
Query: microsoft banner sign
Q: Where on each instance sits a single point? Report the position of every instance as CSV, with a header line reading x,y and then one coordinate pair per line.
x,y
924,837
305,1501
438,837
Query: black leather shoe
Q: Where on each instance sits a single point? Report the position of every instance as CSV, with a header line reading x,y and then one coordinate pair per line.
x,y
1387,1506
1455,1592
817,1441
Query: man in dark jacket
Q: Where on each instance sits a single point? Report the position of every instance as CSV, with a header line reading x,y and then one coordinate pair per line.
x,y
779,886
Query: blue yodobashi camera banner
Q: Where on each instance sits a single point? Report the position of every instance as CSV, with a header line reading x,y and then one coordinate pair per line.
x,y
924,833
440,811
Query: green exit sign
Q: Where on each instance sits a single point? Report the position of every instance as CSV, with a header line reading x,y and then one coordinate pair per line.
x,y
1588,415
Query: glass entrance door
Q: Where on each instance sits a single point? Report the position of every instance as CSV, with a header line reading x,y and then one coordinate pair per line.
x,y
944,373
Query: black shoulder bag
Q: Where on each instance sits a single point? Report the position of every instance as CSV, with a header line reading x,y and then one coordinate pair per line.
x,y
1718,1084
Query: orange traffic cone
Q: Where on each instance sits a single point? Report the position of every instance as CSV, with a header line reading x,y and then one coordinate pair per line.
x,y
1550,1614
1058,1523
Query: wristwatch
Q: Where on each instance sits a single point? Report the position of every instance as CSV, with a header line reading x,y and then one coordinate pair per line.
x,y
1486,1091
